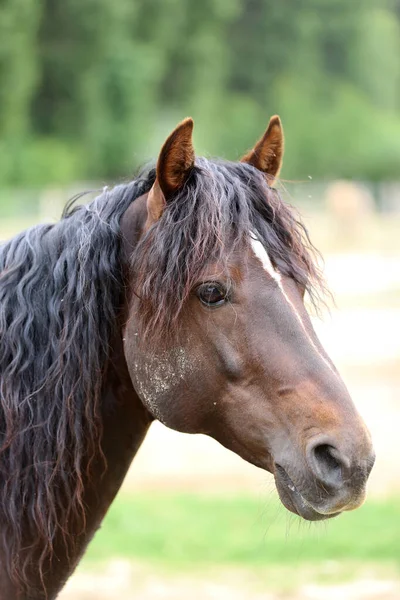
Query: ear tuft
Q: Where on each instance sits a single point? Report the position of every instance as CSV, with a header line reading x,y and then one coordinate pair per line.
x,y
266,156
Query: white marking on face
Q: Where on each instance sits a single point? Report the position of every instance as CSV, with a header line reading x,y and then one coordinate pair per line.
x,y
262,255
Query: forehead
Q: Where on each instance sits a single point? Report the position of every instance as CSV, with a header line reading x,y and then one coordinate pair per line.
x,y
261,253
251,253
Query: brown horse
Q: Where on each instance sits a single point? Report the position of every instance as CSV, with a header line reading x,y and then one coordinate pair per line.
x,y
176,297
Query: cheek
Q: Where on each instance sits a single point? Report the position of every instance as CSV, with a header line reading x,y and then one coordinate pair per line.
x,y
168,384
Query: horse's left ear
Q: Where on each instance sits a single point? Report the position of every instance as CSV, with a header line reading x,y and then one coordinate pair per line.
x,y
266,156
174,164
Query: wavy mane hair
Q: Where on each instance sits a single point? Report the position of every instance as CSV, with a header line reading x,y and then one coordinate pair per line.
x,y
60,293
209,219
61,290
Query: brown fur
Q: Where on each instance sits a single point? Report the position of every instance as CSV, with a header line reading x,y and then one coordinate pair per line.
x,y
174,164
267,154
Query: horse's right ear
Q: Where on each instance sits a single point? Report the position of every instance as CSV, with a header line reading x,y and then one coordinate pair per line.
x,y
174,164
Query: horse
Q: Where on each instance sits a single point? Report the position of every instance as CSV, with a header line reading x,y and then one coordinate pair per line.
x,y
178,296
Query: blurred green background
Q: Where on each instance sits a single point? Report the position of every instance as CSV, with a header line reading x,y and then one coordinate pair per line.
x,y
89,90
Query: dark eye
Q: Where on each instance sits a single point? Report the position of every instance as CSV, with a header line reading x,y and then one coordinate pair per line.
x,y
212,294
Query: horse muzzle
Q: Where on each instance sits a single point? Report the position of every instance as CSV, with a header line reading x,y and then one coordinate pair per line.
x,y
326,483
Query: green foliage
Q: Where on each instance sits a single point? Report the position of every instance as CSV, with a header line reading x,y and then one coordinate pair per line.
x,y
35,161
180,530
90,89
18,65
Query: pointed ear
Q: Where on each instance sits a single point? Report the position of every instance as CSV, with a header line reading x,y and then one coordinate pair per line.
x,y
174,164
266,156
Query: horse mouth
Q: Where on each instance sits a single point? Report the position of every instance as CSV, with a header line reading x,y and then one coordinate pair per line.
x,y
294,501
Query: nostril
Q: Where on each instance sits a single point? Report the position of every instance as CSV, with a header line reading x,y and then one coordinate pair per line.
x,y
327,464
325,455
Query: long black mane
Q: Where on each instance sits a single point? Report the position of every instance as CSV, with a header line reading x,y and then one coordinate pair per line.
x,y
60,292
61,289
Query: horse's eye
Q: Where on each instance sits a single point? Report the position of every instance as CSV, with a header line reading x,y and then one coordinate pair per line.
x,y
212,294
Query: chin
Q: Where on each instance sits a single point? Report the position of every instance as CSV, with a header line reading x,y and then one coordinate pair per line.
x,y
295,502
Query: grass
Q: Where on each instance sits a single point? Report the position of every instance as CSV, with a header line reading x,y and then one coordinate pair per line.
x,y
183,530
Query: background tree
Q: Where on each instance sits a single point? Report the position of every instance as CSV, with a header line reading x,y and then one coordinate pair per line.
x,y
89,89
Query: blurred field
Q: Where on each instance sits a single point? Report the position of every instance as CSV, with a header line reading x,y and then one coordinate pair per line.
x,y
195,521
234,524
197,546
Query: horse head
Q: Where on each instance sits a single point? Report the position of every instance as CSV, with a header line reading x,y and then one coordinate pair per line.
x,y
217,337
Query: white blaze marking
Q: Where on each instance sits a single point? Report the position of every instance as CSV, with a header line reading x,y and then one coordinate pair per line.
x,y
265,260
262,255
